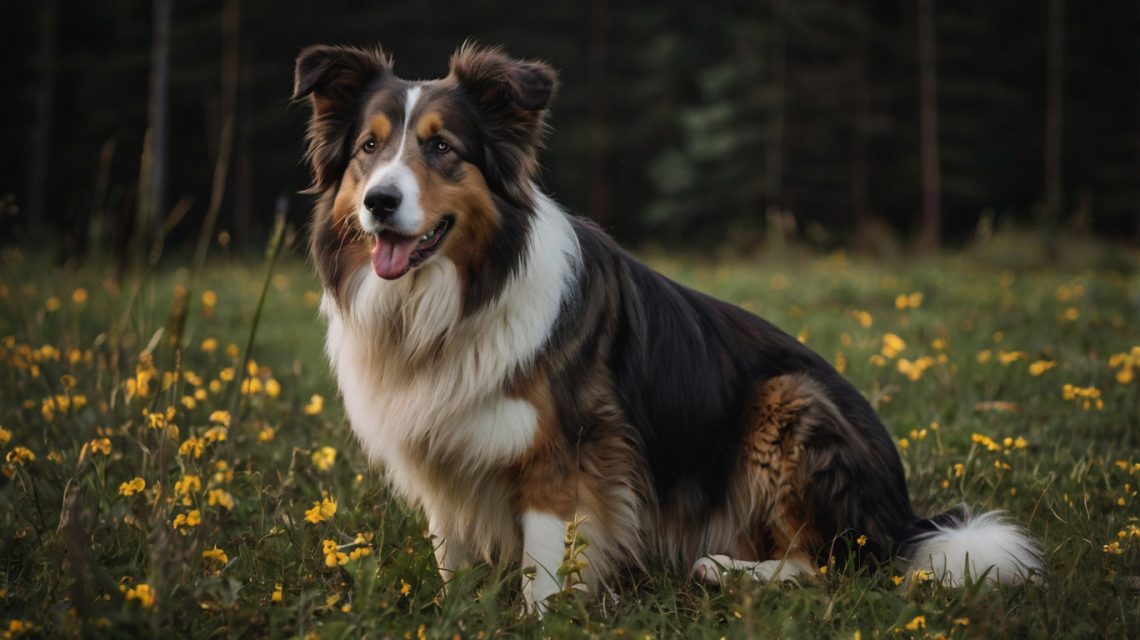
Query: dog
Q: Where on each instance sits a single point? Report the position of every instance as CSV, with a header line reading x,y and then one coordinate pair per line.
x,y
517,373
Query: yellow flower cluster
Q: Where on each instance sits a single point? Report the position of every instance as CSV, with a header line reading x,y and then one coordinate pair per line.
x,y
1007,443
1086,397
1127,362
333,555
892,345
915,369
17,628
185,521
220,498
324,458
908,301
131,487
141,593
321,511
20,455
1036,369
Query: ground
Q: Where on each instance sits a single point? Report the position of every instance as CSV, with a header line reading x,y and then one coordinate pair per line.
x,y
146,488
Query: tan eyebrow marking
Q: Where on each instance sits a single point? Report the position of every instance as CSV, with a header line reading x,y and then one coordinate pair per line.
x,y
429,125
381,126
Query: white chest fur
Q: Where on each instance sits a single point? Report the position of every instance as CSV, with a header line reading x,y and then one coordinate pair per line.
x,y
424,388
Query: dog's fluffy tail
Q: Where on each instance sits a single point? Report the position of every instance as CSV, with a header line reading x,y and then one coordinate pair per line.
x,y
957,544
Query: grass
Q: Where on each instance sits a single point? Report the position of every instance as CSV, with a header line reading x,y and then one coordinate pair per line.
x,y
150,489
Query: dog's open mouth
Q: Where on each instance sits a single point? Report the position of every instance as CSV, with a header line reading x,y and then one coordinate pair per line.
x,y
395,254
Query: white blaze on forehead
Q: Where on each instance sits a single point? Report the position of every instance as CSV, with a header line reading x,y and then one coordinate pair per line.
x,y
409,217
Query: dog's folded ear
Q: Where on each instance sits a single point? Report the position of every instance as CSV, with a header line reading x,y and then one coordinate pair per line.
x,y
333,78
336,75
511,96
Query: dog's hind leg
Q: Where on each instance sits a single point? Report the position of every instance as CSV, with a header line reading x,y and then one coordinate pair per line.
x,y
766,500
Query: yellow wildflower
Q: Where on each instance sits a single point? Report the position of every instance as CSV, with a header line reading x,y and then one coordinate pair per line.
x,y
315,406
18,628
278,593
209,298
5,436
267,434
131,487
1113,548
186,520
861,540
227,374
192,447
1009,357
216,555
209,345
922,575
333,555
221,498
984,356
911,301
52,304
897,580
20,455
324,458
919,622
1040,367
892,345
143,594
187,484
914,370
405,588
272,388
321,511
221,417
215,434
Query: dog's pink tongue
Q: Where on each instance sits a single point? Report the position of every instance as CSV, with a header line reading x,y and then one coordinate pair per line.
x,y
391,255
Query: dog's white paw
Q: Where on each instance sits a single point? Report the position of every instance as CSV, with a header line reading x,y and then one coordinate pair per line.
x,y
711,569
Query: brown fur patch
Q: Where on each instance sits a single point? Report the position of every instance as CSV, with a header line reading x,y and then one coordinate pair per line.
x,y
469,200
783,412
381,127
429,125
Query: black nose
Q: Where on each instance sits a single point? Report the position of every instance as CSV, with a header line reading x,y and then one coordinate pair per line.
x,y
383,201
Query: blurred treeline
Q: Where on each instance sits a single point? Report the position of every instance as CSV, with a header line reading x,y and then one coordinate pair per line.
x,y
695,123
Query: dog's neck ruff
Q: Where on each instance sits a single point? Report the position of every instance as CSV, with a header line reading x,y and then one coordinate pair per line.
x,y
419,376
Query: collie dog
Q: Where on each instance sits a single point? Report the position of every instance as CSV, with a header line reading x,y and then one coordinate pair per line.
x,y
515,371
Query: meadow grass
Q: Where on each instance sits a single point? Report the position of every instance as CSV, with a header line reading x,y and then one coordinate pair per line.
x,y
155,488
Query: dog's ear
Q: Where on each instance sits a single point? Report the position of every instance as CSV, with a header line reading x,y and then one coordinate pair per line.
x,y
511,97
333,78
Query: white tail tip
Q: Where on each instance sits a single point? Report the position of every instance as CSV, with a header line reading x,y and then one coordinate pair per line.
x,y
987,544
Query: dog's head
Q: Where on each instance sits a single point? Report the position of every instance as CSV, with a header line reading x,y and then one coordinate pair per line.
x,y
414,171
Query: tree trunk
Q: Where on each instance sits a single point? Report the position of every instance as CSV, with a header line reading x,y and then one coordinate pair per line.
x,y
152,172
44,110
230,42
860,170
930,229
774,160
1054,104
599,196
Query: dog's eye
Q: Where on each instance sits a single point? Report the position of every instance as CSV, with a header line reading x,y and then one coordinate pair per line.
x,y
369,146
440,146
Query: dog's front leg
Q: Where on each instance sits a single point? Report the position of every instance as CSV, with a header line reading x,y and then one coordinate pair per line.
x,y
543,543
450,554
